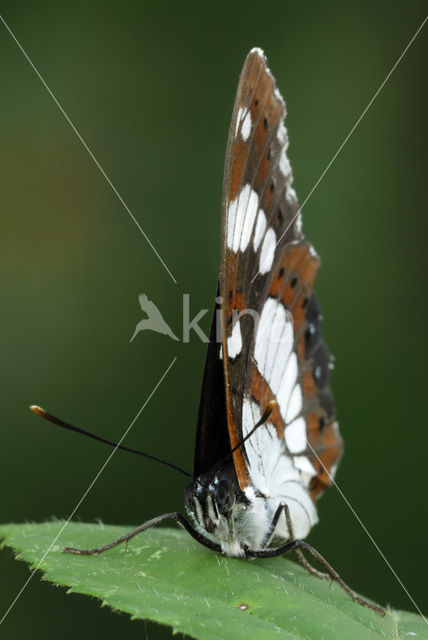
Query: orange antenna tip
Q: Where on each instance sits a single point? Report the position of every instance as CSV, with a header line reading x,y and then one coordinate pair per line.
x,y
36,409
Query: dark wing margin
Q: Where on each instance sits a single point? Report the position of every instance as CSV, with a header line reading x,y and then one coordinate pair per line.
x,y
212,437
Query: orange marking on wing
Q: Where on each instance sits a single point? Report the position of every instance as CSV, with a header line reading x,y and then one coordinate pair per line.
x,y
231,268
307,269
293,284
297,262
328,458
312,424
299,313
263,394
238,457
265,120
263,171
288,296
292,255
308,384
315,488
328,447
301,349
264,107
236,302
238,158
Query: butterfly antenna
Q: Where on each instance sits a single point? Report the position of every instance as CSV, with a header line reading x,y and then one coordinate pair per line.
x,y
269,408
65,425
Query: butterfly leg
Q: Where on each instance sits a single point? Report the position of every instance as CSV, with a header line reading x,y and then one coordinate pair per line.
x,y
335,576
298,545
269,535
143,527
298,552
283,507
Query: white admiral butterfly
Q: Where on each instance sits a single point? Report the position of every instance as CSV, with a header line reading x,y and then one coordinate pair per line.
x,y
267,442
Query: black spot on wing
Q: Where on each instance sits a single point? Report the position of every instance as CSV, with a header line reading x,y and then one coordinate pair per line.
x,y
327,402
321,367
313,314
313,327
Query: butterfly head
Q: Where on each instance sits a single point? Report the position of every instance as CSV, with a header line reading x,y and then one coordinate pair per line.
x,y
210,499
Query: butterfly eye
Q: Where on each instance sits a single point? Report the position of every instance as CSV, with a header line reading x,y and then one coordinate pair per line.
x,y
224,496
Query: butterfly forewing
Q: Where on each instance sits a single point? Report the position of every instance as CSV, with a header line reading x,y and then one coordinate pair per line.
x,y
272,342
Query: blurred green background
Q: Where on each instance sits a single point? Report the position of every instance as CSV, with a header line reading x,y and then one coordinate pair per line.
x,y
150,87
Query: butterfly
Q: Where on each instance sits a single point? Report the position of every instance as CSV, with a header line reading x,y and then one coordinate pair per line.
x,y
267,442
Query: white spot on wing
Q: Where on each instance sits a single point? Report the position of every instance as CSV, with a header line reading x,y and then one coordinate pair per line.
x,y
306,468
234,341
278,96
269,353
268,465
231,217
282,135
273,350
249,492
277,362
240,219
267,252
284,165
247,212
295,404
282,348
243,119
238,120
260,229
291,196
273,473
288,381
295,436
302,509
305,465
246,127
258,51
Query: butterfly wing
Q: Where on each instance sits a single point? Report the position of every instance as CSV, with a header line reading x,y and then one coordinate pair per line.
x,y
212,438
271,319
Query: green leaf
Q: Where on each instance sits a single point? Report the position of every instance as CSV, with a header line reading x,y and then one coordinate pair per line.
x,y
167,577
